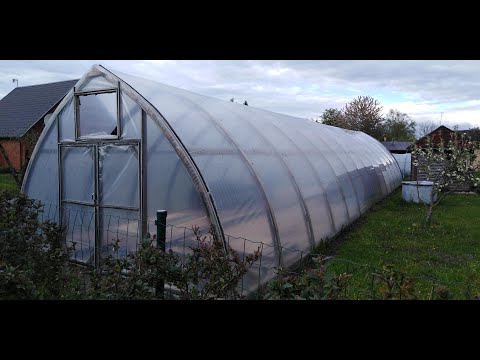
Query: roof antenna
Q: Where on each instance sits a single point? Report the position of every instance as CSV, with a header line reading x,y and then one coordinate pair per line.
x,y
15,80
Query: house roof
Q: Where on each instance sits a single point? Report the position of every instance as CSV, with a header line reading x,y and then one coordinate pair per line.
x,y
442,133
474,133
397,145
24,106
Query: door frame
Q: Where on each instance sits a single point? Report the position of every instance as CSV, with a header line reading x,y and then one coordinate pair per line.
x,y
97,207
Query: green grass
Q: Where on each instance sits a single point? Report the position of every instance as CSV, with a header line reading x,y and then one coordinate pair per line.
x,y
7,183
393,233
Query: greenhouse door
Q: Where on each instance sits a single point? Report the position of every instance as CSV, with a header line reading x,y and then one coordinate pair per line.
x,y
100,194
119,198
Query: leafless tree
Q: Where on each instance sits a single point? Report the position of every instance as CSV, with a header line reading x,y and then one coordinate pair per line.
x,y
426,127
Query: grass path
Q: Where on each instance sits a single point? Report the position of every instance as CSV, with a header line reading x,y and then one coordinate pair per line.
x,y
393,233
7,183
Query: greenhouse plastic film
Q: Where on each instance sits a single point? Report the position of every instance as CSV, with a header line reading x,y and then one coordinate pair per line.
x,y
42,184
131,118
274,180
169,185
119,175
66,121
77,173
79,222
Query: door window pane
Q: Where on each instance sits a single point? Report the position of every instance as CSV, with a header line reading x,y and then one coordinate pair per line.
x,y
118,175
77,174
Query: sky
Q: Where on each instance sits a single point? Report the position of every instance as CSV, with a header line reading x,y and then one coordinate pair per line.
x,y
439,91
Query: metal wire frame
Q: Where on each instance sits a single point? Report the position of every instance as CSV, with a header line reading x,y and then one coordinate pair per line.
x,y
181,240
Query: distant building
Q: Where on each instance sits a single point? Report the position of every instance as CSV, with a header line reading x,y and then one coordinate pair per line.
x,y
397,147
440,134
401,152
23,113
474,133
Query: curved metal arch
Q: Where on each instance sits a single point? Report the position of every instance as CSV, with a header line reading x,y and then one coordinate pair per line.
x,y
34,153
368,144
271,214
386,175
344,149
176,143
386,154
394,184
94,70
340,160
53,120
308,221
365,165
369,163
315,174
331,168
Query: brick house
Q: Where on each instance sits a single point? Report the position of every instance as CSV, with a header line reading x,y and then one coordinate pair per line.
x,y
23,113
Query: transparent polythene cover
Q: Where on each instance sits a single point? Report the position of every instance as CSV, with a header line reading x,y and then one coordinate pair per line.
x,y
275,180
292,163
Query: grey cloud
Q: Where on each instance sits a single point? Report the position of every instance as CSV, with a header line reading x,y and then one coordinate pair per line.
x,y
303,88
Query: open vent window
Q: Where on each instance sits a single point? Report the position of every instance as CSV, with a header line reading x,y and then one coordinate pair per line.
x,y
97,115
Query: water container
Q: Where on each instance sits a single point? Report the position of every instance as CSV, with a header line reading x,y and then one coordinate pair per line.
x,y
417,191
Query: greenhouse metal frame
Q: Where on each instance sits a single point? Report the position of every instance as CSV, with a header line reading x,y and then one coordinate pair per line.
x,y
122,146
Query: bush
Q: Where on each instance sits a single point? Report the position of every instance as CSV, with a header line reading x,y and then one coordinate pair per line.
x,y
32,259
34,264
317,282
207,273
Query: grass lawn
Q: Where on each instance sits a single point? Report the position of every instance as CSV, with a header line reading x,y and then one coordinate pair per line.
x,y
393,233
7,183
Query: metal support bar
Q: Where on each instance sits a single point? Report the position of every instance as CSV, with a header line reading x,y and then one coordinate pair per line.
x,y
119,113
161,224
100,142
143,176
327,161
293,180
95,92
59,179
98,245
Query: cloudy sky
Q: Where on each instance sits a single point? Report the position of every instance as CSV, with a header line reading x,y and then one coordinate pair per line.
x,y
432,91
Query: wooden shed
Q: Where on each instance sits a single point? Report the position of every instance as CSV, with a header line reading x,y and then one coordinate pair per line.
x,y
437,136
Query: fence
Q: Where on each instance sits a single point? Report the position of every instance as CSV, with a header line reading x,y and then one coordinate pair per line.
x,y
120,236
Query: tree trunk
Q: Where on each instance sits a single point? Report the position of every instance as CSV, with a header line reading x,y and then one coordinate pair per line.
x,y
428,219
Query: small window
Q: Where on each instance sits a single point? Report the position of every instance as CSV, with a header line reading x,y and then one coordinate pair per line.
x,y
97,116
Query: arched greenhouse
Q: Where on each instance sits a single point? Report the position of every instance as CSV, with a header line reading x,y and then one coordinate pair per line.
x,y
119,147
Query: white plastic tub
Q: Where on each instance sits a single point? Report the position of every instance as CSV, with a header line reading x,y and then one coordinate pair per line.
x,y
417,191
